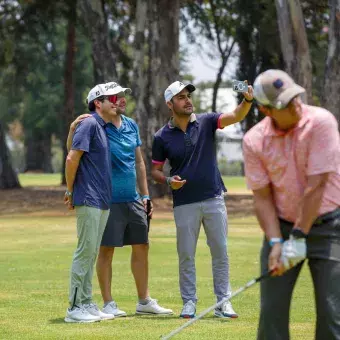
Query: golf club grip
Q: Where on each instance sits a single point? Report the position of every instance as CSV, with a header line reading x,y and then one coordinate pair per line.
x,y
240,290
148,209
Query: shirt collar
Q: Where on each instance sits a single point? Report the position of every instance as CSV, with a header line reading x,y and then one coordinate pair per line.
x,y
99,119
270,129
172,125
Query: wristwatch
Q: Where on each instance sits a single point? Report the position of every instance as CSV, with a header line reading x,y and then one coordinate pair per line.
x,y
298,233
68,193
247,100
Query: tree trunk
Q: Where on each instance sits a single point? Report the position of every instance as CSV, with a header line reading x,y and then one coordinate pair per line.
x,y
225,58
38,151
8,177
331,90
294,44
103,55
162,69
69,89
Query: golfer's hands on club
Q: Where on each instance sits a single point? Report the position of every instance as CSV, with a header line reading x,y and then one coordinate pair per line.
x,y
176,182
145,203
249,94
286,256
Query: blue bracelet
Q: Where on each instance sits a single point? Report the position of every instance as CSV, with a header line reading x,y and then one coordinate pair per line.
x,y
147,197
274,240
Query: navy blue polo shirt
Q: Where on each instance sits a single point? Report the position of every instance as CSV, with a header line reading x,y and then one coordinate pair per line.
x,y
192,156
92,185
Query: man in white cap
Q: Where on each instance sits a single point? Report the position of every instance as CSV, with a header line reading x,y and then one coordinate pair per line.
x,y
127,223
88,178
188,142
292,164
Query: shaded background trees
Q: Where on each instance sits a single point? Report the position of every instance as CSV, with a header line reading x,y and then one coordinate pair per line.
x,y
52,53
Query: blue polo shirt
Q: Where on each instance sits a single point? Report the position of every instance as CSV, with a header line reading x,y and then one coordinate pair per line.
x,y
192,156
92,186
123,143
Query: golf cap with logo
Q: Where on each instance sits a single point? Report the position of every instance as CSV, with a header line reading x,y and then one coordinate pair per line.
x,y
107,89
95,92
176,88
275,88
113,88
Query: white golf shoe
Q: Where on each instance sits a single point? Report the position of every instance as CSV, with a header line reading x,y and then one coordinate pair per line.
x,y
93,309
152,308
112,308
189,310
80,315
226,311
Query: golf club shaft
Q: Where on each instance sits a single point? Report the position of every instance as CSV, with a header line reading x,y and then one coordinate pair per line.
x,y
240,290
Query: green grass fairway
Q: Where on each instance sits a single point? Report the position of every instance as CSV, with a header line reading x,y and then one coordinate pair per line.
x,y
35,258
234,184
31,179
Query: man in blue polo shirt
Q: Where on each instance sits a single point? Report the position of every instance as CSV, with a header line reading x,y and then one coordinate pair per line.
x,y
88,178
188,142
127,223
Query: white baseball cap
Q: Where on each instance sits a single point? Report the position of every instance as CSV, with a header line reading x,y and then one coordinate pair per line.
x,y
95,92
112,88
107,89
176,88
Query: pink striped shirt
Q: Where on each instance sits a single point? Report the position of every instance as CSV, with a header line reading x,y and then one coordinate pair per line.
x,y
286,159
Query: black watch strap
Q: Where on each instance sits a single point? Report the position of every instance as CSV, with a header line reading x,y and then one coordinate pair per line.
x,y
247,100
298,233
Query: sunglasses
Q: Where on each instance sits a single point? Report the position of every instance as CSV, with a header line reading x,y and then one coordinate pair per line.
x,y
112,99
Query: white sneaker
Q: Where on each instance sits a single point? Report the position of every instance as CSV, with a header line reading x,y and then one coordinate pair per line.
x,y
80,315
111,308
189,310
152,308
93,309
226,311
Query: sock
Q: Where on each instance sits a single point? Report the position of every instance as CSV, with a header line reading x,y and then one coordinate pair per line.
x,y
145,301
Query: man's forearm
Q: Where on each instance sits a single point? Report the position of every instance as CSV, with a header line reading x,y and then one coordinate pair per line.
x,y
69,139
266,214
158,176
141,178
71,168
242,110
309,210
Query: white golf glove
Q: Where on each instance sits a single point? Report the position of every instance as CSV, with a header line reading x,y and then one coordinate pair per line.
x,y
294,251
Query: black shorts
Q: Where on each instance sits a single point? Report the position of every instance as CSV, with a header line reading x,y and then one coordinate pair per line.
x,y
127,225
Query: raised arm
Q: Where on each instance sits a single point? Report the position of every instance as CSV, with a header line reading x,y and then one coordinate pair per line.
x,y
240,112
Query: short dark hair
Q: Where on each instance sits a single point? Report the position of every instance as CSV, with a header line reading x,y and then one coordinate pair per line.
x,y
92,106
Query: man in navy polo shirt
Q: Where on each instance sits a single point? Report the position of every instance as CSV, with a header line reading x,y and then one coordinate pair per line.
x,y
127,223
88,178
188,142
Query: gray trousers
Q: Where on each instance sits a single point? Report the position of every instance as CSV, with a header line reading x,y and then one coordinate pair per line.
x,y
91,223
323,252
213,214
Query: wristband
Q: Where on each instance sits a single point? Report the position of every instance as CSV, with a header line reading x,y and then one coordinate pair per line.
x,y
274,240
146,197
168,181
248,101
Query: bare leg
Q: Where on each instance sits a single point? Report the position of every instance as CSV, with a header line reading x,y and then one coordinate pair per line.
x,y
104,271
140,269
